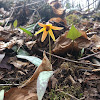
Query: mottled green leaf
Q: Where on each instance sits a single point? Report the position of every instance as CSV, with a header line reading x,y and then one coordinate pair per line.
x,y
20,51
15,24
73,33
1,94
26,31
34,60
42,83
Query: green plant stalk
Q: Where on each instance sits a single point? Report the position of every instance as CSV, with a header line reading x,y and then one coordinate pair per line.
x,y
49,49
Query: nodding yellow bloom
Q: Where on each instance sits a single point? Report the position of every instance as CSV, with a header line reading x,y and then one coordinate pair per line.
x,y
47,28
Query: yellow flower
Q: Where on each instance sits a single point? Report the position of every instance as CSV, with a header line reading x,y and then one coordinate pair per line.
x,y
47,28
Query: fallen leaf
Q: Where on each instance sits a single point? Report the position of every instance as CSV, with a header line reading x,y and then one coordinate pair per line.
x,y
42,83
8,45
65,45
1,94
96,41
58,20
96,45
1,28
19,64
27,91
30,44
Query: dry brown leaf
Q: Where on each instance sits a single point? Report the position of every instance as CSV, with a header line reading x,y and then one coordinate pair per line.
x,y
19,64
96,41
1,28
30,44
58,20
96,44
63,44
28,90
8,45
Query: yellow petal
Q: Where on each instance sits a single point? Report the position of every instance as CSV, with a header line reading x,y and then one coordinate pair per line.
x,y
44,35
56,28
40,24
39,31
52,35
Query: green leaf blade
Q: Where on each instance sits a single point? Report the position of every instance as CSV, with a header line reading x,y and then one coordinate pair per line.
x,y
26,31
34,60
73,33
2,95
42,83
15,23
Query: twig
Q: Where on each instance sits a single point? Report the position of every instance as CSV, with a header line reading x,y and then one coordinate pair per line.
x,y
9,84
90,4
68,94
95,65
89,56
9,17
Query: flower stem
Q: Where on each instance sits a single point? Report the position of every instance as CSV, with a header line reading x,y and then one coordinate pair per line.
x,y
49,48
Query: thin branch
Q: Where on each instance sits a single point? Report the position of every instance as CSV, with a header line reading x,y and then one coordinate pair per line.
x,y
90,4
68,94
95,65
9,84
89,56
10,16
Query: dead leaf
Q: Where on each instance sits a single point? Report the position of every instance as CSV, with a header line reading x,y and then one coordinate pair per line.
x,y
58,20
8,45
1,28
96,44
30,44
63,44
27,91
19,64
96,41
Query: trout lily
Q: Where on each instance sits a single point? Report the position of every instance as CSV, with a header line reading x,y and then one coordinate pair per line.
x,y
47,28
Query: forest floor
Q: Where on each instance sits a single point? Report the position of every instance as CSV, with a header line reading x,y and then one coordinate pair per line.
x,y
73,67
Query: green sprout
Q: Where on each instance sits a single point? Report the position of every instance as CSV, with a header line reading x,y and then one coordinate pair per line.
x,y
15,23
73,33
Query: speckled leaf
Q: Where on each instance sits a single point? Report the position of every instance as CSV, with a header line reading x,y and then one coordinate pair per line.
x,y
42,83
73,33
1,94
36,61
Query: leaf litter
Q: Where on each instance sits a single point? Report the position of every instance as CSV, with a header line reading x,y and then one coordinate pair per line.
x,y
22,72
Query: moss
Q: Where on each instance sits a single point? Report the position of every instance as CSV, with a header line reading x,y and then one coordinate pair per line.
x,y
74,90
72,19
